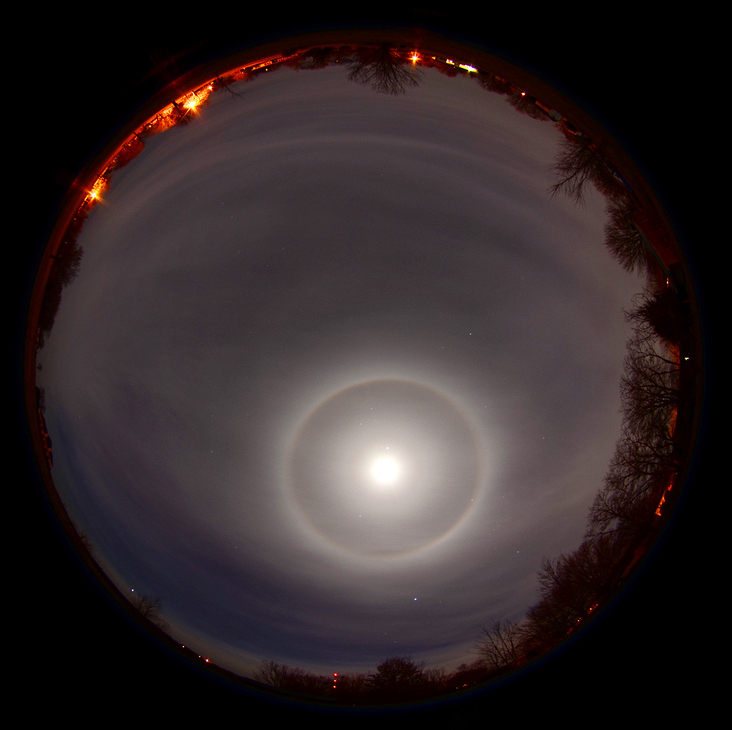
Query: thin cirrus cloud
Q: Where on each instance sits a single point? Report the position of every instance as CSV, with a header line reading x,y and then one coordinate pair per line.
x,y
310,242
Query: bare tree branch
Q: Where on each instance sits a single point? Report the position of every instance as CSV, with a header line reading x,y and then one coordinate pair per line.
x,y
501,644
384,70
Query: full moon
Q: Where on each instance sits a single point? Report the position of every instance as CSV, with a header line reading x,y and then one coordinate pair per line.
x,y
385,470
384,467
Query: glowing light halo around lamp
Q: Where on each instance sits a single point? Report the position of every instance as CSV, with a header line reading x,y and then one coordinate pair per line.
x,y
384,468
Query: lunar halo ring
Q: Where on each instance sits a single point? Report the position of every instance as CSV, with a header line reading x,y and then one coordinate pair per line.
x,y
385,468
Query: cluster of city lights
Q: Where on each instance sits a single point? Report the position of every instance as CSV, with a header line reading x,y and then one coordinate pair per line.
x,y
95,194
189,102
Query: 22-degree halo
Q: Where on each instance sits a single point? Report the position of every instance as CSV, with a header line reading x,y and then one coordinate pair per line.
x,y
384,468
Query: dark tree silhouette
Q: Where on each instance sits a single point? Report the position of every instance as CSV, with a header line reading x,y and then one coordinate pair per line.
x,y
502,644
569,587
469,674
642,468
662,312
649,388
317,58
625,506
578,579
49,308
397,677
292,679
526,104
151,607
351,687
546,625
496,84
128,153
645,461
384,70
581,163
623,239
273,674
68,263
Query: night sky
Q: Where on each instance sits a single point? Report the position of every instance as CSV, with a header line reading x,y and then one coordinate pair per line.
x,y
337,372
176,405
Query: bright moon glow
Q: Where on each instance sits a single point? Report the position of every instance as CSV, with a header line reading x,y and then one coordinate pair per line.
x,y
396,463
385,470
360,475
